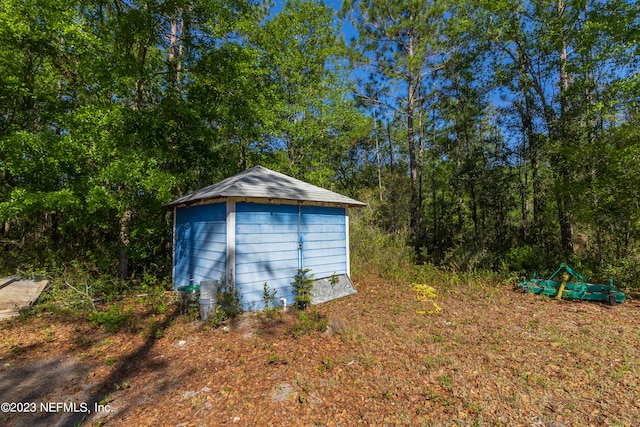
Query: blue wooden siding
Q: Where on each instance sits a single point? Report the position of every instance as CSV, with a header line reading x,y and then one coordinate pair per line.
x,y
324,235
267,238
200,244
266,250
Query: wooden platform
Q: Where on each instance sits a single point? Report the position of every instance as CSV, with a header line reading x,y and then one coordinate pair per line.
x,y
16,294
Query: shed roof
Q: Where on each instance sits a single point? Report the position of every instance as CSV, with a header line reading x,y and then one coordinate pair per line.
x,y
263,183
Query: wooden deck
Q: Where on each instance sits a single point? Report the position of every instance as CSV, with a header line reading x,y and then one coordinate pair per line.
x,y
16,294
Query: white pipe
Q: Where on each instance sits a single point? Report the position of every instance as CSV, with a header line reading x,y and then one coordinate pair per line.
x,y
284,304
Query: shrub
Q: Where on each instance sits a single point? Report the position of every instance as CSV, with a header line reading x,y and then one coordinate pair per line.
x,y
309,323
155,298
271,309
112,320
228,304
217,317
303,284
376,250
525,260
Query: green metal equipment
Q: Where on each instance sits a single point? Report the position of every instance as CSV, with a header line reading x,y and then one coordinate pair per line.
x,y
572,285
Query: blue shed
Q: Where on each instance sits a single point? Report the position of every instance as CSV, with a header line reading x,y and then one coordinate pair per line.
x,y
262,226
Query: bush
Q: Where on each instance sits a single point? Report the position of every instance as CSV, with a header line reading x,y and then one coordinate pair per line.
x,y
155,298
309,323
112,320
228,304
625,273
525,260
229,298
217,317
376,250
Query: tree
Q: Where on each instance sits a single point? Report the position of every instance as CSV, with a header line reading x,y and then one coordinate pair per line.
x,y
401,42
98,130
313,116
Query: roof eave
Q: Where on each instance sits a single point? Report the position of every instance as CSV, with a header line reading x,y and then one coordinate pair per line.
x,y
254,199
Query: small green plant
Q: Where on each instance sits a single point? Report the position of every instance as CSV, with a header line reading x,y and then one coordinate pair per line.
x,y
326,365
228,298
112,320
308,323
155,298
271,310
446,380
82,341
193,313
334,280
272,359
217,317
122,386
303,285
155,330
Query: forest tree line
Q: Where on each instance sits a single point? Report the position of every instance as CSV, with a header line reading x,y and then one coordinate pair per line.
x,y
487,133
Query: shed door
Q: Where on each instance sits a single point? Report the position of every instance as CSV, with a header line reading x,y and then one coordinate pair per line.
x,y
266,250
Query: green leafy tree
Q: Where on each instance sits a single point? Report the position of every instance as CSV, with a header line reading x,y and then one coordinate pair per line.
x,y
313,117
402,44
101,126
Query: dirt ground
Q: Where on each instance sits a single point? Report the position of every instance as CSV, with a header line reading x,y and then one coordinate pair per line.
x,y
492,356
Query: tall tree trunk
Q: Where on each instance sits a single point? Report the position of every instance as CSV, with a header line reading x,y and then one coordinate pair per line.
x,y
413,87
525,225
415,223
564,212
458,187
378,160
125,219
434,178
536,181
174,58
390,146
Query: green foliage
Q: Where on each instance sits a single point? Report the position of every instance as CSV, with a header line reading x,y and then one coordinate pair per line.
x,y
228,299
311,113
625,273
303,287
77,287
334,280
375,250
526,260
115,318
327,364
308,323
217,317
98,129
107,113
271,308
155,298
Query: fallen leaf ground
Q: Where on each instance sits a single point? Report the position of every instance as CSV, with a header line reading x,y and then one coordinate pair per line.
x,y
492,356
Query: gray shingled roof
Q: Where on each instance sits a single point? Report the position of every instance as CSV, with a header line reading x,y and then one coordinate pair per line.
x,y
260,182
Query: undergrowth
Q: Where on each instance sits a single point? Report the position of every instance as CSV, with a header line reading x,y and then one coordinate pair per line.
x,y
375,251
307,323
80,291
229,305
